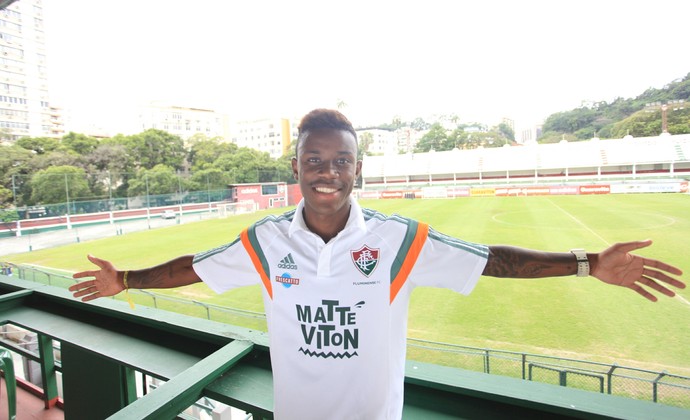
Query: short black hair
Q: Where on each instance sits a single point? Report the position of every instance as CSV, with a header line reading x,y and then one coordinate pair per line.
x,y
320,119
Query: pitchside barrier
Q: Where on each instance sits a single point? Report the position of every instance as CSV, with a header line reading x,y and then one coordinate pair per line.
x,y
72,221
660,387
677,186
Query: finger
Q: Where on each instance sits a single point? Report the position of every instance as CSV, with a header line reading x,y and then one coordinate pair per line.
x,y
656,286
662,266
92,296
631,246
643,292
84,292
80,286
663,277
81,274
99,262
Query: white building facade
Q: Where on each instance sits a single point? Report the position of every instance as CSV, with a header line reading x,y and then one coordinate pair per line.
x,y
25,109
184,122
271,135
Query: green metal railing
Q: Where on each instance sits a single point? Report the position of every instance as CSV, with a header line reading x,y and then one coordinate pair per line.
x,y
648,385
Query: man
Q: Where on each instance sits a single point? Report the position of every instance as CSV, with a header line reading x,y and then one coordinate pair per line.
x,y
337,279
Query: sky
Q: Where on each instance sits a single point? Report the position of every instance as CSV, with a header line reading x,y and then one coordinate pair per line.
x,y
480,60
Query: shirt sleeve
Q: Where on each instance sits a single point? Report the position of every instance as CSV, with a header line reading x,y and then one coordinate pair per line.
x,y
449,263
226,267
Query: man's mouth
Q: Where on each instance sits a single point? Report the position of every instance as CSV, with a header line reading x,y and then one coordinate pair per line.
x,y
326,190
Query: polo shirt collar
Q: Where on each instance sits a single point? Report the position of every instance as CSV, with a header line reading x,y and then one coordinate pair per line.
x,y
355,220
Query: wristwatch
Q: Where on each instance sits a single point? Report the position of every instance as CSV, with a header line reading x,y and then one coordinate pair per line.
x,y
582,262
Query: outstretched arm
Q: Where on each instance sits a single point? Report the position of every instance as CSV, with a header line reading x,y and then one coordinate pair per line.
x,y
615,265
109,281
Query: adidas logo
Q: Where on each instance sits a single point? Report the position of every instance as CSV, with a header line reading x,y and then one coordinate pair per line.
x,y
288,263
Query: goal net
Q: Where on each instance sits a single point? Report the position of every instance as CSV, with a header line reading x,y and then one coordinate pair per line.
x,y
435,192
241,207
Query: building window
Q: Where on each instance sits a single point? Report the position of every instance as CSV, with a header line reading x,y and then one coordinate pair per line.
x,y
269,189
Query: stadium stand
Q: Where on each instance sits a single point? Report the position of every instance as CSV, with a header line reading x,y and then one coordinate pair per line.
x,y
653,157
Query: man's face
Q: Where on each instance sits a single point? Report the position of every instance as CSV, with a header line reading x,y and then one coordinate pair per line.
x,y
326,167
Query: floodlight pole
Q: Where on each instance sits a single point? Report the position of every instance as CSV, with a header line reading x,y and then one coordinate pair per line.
x,y
14,195
69,225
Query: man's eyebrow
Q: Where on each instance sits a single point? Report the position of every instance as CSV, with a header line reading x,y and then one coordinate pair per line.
x,y
318,152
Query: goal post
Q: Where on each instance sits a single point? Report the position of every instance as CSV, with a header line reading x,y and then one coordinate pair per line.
x,y
241,207
434,192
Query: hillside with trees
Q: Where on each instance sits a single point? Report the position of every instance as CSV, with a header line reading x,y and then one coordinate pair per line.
x,y
638,117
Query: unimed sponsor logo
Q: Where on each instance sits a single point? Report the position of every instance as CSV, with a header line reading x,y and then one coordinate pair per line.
x,y
595,189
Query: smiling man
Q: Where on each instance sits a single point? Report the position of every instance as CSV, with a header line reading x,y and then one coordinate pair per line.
x,y
337,281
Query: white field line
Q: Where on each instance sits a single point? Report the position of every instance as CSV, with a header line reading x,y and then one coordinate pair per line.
x,y
677,296
580,223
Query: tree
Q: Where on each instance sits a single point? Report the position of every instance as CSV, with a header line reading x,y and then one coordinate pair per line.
x,y
205,152
6,197
12,159
248,166
507,131
79,143
365,141
161,179
211,179
55,184
435,139
155,147
40,145
419,124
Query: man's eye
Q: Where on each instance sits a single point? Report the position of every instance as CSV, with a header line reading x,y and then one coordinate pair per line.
x,y
343,161
313,160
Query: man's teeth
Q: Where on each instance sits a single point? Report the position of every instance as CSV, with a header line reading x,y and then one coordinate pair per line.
x,y
326,190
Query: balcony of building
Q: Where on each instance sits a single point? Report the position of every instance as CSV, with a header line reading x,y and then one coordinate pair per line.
x,y
103,360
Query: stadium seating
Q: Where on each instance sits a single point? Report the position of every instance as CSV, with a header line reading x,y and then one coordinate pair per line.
x,y
661,155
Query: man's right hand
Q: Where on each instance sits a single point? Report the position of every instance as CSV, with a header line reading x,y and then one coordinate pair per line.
x,y
107,281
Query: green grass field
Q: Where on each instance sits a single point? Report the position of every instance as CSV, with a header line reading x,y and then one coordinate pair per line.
x,y
567,317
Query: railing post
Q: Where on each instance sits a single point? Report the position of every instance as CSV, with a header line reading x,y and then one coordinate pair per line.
x,y
48,371
609,376
7,366
563,377
487,362
153,296
524,361
655,386
208,310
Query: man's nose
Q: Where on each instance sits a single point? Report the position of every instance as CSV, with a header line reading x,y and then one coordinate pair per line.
x,y
329,169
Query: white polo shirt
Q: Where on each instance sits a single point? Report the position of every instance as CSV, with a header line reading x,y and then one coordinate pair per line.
x,y
337,311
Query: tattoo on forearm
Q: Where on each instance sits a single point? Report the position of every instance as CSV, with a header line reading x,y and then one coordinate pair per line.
x,y
507,261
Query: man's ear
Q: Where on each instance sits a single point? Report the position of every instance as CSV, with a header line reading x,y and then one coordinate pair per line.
x,y
358,169
295,171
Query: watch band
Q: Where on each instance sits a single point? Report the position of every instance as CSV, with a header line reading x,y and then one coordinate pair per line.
x,y
582,262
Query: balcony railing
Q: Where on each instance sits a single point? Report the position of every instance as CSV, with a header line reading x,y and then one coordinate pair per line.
x,y
632,382
108,354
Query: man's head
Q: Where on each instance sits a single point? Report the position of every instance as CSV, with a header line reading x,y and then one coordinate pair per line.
x,y
320,119
326,168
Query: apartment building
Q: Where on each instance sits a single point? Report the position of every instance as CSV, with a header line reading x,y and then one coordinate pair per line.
x,y
270,135
25,108
184,121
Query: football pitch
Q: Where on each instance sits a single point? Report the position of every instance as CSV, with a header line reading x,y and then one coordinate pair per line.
x,y
567,317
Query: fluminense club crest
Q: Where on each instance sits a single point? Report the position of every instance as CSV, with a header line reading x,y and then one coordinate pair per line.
x,y
366,259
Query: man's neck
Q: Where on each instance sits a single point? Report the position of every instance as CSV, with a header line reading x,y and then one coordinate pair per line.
x,y
326,226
